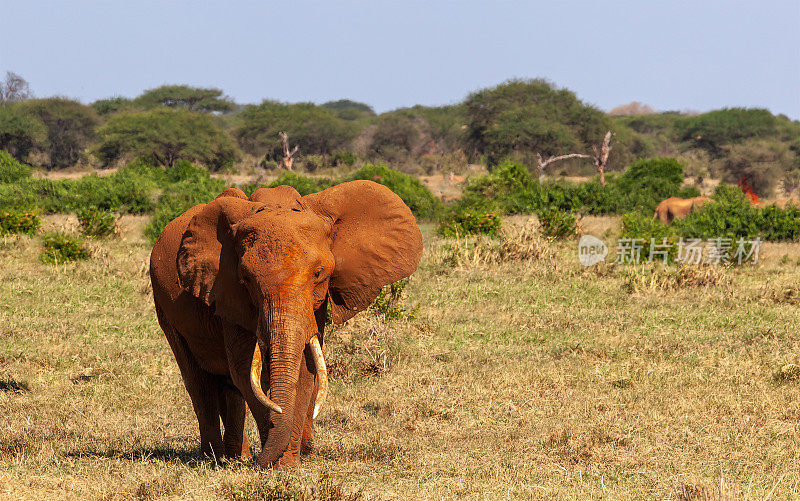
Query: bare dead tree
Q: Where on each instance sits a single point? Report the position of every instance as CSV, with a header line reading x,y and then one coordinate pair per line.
x,y
288,156
601,156
14,88
544,163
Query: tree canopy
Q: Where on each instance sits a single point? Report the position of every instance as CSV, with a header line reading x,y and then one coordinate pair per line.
x,y
316,129
191,98
70,127
166,135
530,116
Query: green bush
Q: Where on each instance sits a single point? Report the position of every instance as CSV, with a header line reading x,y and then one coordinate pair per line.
x,y
733,216
649,181
18,197
387,304
97,222
11,171
636,225
196,188
61,248
346,158
460,224
418,198
558,224
303,184
19,222
313,162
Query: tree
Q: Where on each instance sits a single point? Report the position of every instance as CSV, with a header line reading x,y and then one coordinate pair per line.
x,y
14,89
70,127
166,135
20,133
718,128
192,98
314,128
112,105
527,116
396,137
349,110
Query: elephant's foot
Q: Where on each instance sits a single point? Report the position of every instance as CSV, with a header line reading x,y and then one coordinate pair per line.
x,y
212,449
288,461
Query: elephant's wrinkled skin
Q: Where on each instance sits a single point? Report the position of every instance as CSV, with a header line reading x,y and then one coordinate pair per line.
x,y
677,208
240,281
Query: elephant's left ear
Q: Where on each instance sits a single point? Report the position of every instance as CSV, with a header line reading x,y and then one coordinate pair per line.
x,y
206,258
374,239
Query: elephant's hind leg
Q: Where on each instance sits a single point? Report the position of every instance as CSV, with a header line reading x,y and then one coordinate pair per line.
x,y
233,410
203,391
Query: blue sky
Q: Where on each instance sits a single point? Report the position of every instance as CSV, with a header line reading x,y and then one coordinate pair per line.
x,y
673,55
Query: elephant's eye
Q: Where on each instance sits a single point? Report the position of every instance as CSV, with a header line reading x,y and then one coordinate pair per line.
x,y
319,272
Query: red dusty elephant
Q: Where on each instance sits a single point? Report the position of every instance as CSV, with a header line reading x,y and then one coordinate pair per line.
x,y
677,208
243,282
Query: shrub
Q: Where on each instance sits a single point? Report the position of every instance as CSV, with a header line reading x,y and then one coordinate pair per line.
x,y
303,184
12,171
460,224
346,158
61,248
195,187
649,181
558,224
313,162
19,222
97,222
733,216
387,304
418,198
18,197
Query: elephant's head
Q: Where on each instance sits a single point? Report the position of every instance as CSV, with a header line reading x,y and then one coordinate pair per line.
x,y
270,262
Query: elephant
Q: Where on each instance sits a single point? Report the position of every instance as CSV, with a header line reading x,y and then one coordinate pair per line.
x,y
678,208
242,284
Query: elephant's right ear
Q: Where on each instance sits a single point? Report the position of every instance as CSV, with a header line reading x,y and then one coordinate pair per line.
x,y
206,259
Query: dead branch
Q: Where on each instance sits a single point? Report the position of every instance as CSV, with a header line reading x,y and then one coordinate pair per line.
x,y
544,163
601,156
288,156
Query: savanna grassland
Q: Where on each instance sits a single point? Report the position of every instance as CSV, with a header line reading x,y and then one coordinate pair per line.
x,y
517,378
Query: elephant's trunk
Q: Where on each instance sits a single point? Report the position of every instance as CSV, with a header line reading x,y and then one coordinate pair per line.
x,y
286,335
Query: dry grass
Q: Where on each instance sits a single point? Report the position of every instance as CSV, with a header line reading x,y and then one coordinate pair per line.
x,y
530,378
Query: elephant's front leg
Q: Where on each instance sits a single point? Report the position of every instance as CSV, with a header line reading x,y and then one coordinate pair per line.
x,y
239,347
233,410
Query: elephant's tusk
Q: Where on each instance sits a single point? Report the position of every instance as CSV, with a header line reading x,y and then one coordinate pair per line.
x,y
322,374
255,382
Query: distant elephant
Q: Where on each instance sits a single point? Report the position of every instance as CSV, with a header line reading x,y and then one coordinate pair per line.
x,y
243,282
678,208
